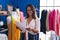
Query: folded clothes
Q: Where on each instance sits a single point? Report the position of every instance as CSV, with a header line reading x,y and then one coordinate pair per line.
x,y
3,30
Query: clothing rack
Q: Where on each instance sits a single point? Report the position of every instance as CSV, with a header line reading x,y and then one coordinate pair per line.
x,y
49,6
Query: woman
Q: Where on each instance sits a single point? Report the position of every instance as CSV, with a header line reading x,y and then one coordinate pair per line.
x,y
32,23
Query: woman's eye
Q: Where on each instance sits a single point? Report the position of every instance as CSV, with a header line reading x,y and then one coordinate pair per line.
x,y
28,10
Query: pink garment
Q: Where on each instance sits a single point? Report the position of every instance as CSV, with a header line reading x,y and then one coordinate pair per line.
x,y
55,22
51,20
59,23
21,15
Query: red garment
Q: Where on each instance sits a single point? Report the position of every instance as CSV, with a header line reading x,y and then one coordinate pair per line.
x,y
54,21
51,20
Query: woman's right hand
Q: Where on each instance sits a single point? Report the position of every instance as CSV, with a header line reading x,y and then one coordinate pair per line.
x,y
34,30
29,29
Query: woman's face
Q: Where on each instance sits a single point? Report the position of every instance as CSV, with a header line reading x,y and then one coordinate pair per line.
x,y
29,11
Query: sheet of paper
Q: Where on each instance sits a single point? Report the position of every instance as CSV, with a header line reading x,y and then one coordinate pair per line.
x,y
21,25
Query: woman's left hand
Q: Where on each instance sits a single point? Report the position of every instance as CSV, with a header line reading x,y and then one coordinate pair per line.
x,y
34,30
29,29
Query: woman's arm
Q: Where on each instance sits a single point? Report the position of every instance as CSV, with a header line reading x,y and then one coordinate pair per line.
x,y
21,25
37,27
34,30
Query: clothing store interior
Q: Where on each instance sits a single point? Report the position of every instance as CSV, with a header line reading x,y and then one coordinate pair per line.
x,y
29,20
49,19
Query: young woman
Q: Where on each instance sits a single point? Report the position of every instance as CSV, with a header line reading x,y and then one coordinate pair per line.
x,y
32,22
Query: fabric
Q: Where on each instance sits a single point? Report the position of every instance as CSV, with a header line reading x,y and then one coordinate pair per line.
x,y
57,38
58,23
3,37
33,37
3,18
32,25
21,16
22,36
13,31
55,22
42,36
52,35
21,25
43,21
51,20
47,22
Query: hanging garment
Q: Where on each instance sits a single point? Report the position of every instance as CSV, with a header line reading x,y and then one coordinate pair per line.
x,y
21,16
59,23
55,21
47,22
13,31
50,20
43,21
3,37
52,35
3,24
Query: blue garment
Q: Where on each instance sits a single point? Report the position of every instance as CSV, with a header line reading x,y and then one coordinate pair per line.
x,y
33,37
22,36
3,18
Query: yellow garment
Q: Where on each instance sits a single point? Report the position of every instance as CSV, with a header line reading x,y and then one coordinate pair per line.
x,y
13,31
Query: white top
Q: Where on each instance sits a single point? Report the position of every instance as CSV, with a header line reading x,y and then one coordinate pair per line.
x,y
3,37
22,25
32,25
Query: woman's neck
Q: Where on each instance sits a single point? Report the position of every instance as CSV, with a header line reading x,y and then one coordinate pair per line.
x,y
30,17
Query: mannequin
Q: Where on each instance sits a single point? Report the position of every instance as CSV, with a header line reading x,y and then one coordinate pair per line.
x,y
14,32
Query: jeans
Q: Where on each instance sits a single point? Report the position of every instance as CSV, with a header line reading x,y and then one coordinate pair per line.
x,y
22,36
33,37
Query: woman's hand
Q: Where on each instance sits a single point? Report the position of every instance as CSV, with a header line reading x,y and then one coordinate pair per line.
x,y
34,30
19,28
29,29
